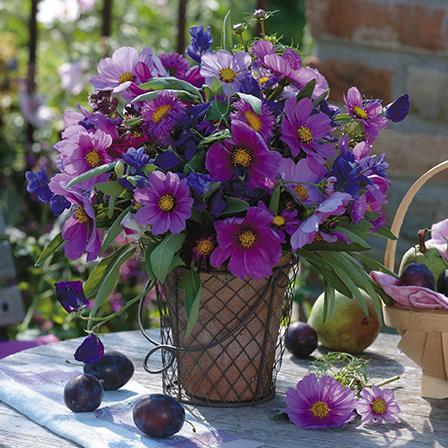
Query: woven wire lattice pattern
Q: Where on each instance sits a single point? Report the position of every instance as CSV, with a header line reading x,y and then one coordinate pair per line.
x,y
234,352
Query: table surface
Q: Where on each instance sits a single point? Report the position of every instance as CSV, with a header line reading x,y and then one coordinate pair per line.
x,y
423,422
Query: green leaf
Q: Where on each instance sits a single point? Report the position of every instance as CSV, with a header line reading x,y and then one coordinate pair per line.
x,y
353,237
329,301
181,94
216,136
321,98
114,230
275,199
334,247
162,256
111,188
92,173
133,122
191,284
386,233
171,83
306,91
253,101
217,111
373,265
195,163
227,43
50,249
235,205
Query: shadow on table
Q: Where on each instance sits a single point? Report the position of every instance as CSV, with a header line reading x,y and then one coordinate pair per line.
x,y
438,420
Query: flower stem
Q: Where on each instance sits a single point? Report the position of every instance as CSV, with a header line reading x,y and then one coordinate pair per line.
x,y
388,381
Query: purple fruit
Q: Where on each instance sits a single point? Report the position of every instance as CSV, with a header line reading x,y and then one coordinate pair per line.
x,y
417,274
158,415
442,283
114,369
83,393
301,339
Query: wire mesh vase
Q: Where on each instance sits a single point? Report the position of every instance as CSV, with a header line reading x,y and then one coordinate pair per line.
x,y
234,352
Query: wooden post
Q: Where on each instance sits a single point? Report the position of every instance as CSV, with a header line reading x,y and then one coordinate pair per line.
x,y
106,25
181,25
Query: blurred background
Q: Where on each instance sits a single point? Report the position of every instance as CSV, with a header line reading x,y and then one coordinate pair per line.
x,y
50,48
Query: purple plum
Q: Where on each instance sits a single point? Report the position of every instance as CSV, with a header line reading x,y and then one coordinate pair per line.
x,y
83,393
301,339
417,274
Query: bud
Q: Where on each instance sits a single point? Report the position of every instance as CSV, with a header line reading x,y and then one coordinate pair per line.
x,y
239,28
259,14
119,169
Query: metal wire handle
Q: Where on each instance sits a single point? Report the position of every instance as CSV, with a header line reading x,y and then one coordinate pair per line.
x,y
172,349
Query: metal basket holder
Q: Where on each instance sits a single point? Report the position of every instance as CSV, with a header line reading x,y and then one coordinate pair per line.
x,y
234,352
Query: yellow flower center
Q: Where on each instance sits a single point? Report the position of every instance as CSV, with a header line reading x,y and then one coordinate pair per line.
x,y
318,238
301,191
278,221
320,409
305,134
227,74
263,80
166,203
204,247
81,216
160,113
379,406
242,157
360,113
253,120
126,76
92,158
247,238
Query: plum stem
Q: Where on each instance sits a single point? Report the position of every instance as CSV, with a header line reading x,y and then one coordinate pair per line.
x,y
192,426
421,240
388,380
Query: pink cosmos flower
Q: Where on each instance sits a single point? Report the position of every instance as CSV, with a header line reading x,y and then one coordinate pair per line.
x,y
439,238
377,405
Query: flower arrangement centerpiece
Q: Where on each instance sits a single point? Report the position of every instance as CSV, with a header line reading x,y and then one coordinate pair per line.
x,y
220,169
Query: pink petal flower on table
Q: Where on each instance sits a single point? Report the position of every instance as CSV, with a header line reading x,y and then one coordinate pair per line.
x,y
439,238
72,77
302,130
320,403
91,350
262,123
409,296
226,67
249,244
377,406
245,152
166,203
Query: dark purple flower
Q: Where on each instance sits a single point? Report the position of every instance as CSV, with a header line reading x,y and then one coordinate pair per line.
x,y
166,203
136,158
399,109
218,203
249,85
194,77
201,41
246,152
349,174
37,183
58,204
262,123
91,350
175,64
199,183
249,244
71,295
167,160
202,249
284,222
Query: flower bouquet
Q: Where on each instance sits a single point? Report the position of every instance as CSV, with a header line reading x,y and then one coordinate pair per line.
x,y
218,175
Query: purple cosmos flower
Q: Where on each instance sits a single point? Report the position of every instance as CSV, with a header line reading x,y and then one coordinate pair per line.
x,y
248,243
71,295
37,183
302,179
302,130
309,230
194,77
300,78
201,41
175,64
262,48
226,67
91,350
377,405
262,123
368,113
72,76
399,109
166,203
245,152
320,403
283,223
161,115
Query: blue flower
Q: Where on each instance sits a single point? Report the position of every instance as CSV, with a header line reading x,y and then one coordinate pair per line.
x,y
71,295
199,183
167,160
399,109
91,350
250,85
136,158
201,41
349,174
37,183
58,204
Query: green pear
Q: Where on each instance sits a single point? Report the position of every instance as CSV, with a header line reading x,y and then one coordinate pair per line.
x,y
349,329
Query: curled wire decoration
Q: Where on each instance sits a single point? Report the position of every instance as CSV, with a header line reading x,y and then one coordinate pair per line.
x,y
234,352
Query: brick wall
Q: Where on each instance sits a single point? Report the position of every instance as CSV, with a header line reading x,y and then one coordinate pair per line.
x,y
386,48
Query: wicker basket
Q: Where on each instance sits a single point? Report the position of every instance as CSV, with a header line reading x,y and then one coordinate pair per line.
x,y
424,333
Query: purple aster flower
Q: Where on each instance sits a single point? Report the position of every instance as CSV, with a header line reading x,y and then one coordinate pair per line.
x,y
248,243
201,41
398,110
245,152
166,203
320,403
37,183
377,405
194,77
71,295
199,183
136,158
161,115
302,179
228,68
302,130
368,113
283,223
175,64
262,123
58,204
91,350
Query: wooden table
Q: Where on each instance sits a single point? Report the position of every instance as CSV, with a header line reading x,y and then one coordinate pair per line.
x,y
424,423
